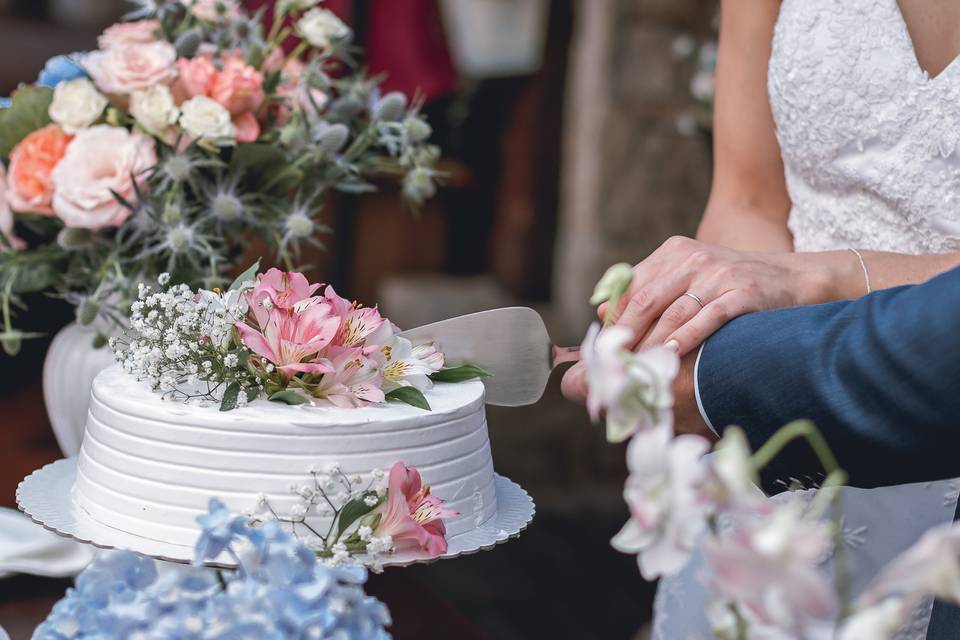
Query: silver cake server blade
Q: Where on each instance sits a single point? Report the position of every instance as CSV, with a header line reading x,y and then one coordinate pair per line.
x,y
512,344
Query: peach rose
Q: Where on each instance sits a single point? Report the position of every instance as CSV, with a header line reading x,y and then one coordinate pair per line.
x,y
6,215
195,75
238,87
139,32
31,164
128,67
100,159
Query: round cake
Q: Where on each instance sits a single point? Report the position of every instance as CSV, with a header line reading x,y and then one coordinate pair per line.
x,y
149,466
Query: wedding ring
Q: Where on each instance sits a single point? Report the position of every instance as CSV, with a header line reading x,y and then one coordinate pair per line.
x,y
695,298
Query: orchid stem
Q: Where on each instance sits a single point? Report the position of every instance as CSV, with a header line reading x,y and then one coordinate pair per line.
x,y
787,434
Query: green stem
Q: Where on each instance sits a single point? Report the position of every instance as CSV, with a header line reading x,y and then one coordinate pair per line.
x,y
297,52
789,433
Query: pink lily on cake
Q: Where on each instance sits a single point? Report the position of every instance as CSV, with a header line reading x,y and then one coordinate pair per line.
x,y
412,516
288,336
358,321
354,382
402,363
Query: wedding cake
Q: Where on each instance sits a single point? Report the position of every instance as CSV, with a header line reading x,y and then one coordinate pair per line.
x,y
289,403
149,466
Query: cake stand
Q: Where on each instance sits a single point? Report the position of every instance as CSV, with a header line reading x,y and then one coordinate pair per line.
x,y
46,497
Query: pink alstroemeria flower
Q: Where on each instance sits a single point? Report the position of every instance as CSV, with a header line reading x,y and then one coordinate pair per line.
x,y
355,380
411,515
291,327
275,288
357,322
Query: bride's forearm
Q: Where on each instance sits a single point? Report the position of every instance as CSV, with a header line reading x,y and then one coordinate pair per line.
x,y
838,275
745,229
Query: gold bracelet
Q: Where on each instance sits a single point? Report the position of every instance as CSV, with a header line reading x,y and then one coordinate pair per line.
x,y
863,265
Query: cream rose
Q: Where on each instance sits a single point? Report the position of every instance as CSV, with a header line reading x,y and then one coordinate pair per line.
x,y
100,159
213,10
156,111
76,104
205,118
128,67
322,28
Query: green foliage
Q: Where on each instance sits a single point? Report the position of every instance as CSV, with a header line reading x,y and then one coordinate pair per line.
x,y
459,374
352,511
249,274
230,397
411,396
27,114
287,397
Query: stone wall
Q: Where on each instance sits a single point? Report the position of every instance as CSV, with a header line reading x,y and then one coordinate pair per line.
x,y
630,177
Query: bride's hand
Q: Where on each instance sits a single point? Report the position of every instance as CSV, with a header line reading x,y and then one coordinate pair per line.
x,y
686,290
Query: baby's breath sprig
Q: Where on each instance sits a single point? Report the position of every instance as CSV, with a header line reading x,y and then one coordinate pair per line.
x,y
185,345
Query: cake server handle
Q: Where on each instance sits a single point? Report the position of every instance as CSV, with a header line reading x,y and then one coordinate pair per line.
x,y
564,354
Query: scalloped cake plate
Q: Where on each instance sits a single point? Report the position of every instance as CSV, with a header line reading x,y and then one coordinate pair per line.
x,y
46,497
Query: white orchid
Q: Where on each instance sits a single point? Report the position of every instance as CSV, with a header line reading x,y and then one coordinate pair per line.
x,y
634,389
733,479
768,565
667,515
881,621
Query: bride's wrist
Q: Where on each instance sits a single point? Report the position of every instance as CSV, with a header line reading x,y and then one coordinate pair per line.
x,y
826,276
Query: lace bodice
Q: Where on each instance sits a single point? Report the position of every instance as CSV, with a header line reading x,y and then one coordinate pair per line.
x,y
870,142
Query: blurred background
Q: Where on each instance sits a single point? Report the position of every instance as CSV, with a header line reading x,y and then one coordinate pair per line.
x,y
575,135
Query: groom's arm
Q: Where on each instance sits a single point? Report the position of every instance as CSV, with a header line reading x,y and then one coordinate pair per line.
x,y
880,376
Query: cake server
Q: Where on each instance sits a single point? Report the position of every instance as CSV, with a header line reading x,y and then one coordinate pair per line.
x,y
512,344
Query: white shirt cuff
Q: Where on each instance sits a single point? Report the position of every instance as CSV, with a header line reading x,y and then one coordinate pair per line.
x,y
696,391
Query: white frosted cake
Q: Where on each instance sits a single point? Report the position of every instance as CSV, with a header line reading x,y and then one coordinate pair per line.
x,y
149,465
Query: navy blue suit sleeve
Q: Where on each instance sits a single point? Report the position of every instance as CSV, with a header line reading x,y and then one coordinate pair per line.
x,y
880,377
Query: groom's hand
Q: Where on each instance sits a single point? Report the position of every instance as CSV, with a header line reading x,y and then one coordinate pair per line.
x,y
686,415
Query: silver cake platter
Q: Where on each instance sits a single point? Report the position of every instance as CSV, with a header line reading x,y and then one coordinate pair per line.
x,y
46,497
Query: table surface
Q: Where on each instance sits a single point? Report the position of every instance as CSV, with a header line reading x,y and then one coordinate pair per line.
x,y
27,443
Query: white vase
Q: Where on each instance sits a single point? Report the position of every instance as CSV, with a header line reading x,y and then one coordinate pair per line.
x,y
68,372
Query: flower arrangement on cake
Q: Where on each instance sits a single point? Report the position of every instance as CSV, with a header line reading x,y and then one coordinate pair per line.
x,y
279,590
763,559
187,133
275,335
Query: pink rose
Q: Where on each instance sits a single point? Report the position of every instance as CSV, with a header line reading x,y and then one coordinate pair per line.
x,y
6,215
128,67
140,32
195,77
100,159
239,87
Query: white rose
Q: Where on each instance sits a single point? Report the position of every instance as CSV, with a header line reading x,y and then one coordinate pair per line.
x,y
322,28
98,163
128,67
76,104
6,214
156,111
203,117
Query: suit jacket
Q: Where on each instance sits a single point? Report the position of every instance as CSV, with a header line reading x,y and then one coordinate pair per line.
x,y
880,377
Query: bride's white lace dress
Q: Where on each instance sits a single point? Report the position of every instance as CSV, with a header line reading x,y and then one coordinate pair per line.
x,y
871,149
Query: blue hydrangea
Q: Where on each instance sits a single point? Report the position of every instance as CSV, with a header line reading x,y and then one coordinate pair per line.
x,y
60,69
279,592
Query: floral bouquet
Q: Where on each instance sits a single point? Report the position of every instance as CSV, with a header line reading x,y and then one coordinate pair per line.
x,y
277,336
187,133
763,558
279,590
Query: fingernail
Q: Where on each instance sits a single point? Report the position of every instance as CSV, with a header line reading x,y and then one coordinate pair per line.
x,y
673,345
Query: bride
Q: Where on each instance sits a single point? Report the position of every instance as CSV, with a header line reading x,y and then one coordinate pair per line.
x,y
837,145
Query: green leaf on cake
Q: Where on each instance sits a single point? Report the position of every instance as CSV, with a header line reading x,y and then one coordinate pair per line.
x,y
410,395
249,274
230,396
354,510
27,114
459,374
287,397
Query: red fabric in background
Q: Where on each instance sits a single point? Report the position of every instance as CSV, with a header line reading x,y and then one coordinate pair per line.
x,y
405,40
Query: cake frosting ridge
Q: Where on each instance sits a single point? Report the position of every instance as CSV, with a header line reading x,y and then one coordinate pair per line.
x,y
149,465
